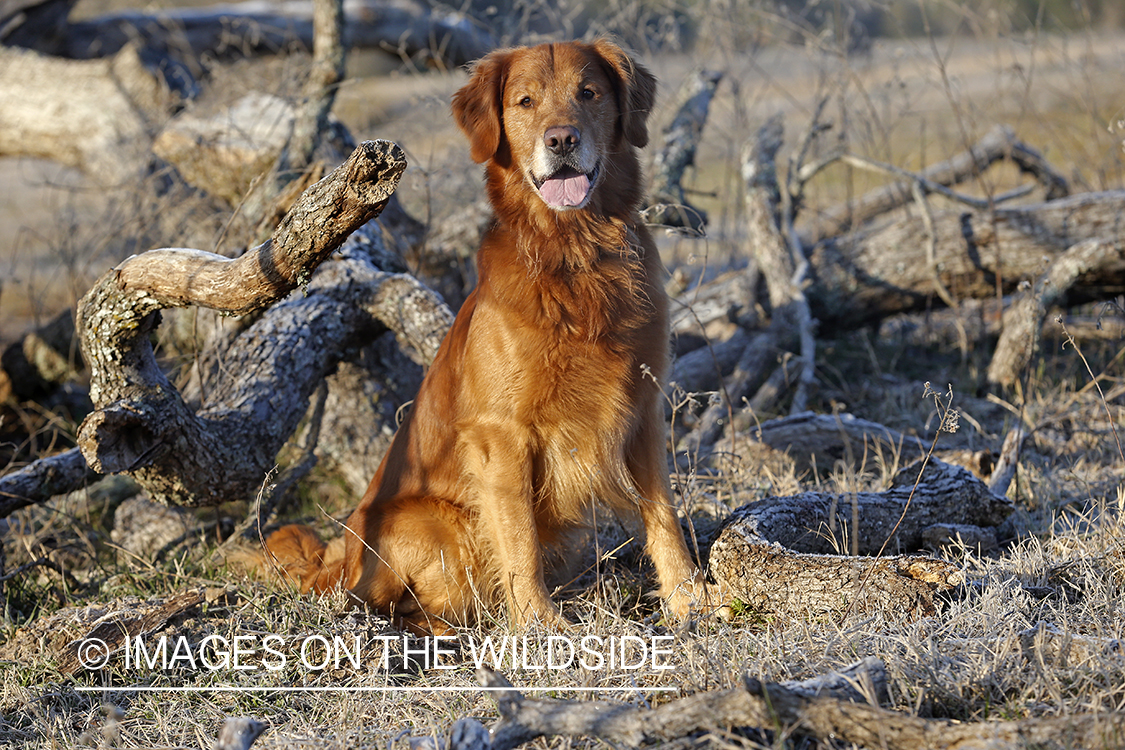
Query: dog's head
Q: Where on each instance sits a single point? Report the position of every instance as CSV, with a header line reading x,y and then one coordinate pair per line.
x,y
556,113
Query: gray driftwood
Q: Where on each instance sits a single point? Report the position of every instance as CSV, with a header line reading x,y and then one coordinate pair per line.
x,y
776,555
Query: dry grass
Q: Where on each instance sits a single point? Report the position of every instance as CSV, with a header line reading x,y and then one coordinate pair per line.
x,y
912,102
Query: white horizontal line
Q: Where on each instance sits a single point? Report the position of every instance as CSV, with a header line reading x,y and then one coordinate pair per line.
x,y
330,689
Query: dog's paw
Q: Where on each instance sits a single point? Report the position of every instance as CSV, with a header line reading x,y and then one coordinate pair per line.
x,y
545,616
696,597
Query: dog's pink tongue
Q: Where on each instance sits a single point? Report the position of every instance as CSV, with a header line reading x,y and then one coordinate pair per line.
x,y
565,191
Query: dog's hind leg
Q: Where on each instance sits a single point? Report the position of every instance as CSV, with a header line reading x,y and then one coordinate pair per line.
x,y
419,568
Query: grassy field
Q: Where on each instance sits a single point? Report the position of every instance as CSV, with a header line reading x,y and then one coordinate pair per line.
x,y
911,102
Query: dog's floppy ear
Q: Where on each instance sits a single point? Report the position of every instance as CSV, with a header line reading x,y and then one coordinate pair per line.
x,y
477,106
638,90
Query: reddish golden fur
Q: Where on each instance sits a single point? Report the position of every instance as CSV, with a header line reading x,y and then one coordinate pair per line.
x,y
538,401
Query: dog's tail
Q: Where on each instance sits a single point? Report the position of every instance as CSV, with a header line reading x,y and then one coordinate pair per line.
x,y
300,556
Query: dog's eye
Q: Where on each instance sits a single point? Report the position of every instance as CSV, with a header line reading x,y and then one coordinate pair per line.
x,y
588,93
525,102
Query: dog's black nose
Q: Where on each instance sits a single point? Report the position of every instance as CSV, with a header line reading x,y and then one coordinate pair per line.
x,y
562,139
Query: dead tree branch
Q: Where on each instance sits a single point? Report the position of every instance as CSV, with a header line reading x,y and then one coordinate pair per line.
x,y
874,727
999,143
406,28
142,425
668,206
783,267
1023,320
45,478
522,720
828,709
865,276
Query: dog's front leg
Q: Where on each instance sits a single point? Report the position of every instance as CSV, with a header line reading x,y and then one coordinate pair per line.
x,y
682,584
506,521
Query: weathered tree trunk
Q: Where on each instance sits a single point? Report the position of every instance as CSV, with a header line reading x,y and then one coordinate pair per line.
x,y
823,439
865,276
96,115
407,28
998,143
775,555
143,426
668,206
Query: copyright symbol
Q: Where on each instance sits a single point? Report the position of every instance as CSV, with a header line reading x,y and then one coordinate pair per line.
x,y
93,653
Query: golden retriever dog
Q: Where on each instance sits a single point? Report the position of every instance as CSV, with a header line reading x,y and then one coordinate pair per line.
x,y
545,394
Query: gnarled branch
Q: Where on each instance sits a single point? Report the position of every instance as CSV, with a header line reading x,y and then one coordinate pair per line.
x,y
142,425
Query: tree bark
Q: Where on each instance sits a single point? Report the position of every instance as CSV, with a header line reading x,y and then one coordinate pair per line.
x,y
998,143
407,28
96,115
775,555
142,425
865,276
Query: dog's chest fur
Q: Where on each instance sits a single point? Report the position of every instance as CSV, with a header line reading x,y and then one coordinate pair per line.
x,y
578,315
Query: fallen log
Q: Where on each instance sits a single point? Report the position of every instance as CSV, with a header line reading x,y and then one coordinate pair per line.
x,y
862,277
405,28
823,713
822,523
776,555
820,440
769,579
94,115
43,479
998,143
142,425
